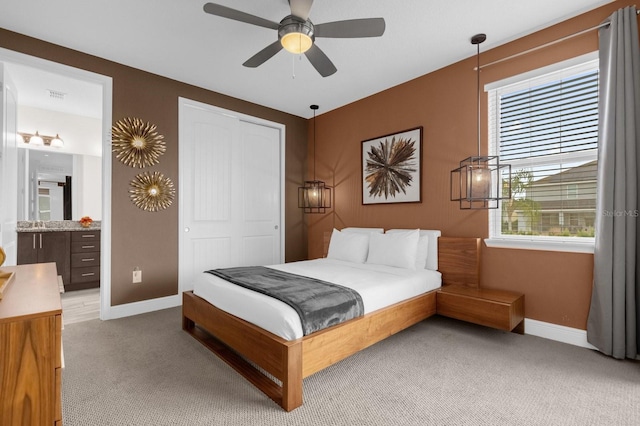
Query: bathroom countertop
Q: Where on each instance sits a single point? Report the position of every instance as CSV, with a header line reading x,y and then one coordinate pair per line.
x,y
54,226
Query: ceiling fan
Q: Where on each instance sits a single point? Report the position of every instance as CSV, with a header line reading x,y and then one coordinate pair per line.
x,y
296,33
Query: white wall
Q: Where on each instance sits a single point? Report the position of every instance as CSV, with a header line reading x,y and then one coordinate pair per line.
x,y
88,182
81,135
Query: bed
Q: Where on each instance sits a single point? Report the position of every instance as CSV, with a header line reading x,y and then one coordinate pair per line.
x,y
277,363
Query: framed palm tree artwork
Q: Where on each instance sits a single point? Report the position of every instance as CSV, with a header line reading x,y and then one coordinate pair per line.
x,y
392,168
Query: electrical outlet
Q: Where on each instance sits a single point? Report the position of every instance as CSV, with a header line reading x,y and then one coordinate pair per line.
x,y
137,276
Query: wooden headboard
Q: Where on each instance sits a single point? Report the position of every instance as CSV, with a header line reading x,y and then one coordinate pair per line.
x,y
458,259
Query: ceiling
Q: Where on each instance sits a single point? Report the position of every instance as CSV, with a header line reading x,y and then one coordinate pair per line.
x,y
176,39
55,92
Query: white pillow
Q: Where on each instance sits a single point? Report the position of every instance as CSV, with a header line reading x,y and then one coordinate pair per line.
x,y
396,249
422,252
363,230
350,247
430,249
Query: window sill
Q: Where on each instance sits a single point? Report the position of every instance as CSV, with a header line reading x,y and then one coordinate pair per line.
x,y
564,246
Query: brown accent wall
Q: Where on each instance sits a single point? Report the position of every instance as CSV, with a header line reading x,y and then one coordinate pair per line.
x,y
150,240
557,285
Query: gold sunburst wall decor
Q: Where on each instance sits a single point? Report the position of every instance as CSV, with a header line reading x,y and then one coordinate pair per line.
x,y
152,191
136,143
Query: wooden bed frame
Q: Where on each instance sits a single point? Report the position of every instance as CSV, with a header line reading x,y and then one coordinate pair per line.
x,y
244,346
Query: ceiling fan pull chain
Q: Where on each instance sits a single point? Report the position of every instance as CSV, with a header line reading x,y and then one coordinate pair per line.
x,y
293,67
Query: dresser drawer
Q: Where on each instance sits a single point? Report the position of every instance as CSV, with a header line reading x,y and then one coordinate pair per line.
x,y
83,260
57,403
83,275
58,341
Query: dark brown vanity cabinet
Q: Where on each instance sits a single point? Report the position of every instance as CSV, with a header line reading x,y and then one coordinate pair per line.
x,y
85,259
76,254
43,247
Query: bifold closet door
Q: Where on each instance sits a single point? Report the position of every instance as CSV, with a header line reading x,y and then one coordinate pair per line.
x,y
230,192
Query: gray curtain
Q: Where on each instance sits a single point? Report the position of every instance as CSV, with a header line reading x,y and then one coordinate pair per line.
x,y
614,318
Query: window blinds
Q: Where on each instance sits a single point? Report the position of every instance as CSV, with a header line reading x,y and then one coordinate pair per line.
x,y
553,118
547,129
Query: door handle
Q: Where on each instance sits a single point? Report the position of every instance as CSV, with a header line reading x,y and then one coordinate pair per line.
x,y
40,241
187,229
34,241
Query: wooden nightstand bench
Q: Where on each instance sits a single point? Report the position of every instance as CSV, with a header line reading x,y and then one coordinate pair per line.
x,y
499,309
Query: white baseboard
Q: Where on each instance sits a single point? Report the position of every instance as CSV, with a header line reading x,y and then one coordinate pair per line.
x,y
142,307
560,333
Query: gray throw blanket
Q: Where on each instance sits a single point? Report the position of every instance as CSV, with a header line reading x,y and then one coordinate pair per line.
x,y
319,304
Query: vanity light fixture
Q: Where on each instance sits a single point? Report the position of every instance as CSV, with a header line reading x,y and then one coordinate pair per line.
x,y
314,196
57,142
41,140
481,181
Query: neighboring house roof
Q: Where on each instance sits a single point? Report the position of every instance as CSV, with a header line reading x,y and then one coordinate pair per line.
x,y
584,172
585,197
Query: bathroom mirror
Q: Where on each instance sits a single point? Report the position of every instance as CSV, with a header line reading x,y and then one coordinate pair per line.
x,y
58,186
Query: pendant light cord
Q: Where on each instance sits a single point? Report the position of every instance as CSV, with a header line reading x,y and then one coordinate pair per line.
x,y
477,39
478,95
314,108
314,144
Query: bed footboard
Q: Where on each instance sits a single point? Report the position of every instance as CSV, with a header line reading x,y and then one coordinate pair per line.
x,y
244,342
236,342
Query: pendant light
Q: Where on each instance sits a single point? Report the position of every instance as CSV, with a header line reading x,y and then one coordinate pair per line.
x,y
481,181
314,196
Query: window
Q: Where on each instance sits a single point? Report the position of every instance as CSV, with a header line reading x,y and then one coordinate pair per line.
x,y
546,126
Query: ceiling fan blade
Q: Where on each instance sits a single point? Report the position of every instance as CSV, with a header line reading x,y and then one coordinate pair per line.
x,y
227,12
301,8
352,28
265,54
320,61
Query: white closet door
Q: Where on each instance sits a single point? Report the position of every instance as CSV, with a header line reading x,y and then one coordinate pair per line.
x,y
230,192
260,218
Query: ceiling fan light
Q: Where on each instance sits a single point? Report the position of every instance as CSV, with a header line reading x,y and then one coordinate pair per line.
x,y
296,43
295,35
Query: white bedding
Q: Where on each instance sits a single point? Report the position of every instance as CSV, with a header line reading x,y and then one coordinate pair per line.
x,y
378,285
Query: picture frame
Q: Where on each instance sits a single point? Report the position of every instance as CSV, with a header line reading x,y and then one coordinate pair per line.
x,y
392,168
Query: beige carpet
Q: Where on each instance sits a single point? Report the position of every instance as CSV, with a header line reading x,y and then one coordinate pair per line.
x,y
145,370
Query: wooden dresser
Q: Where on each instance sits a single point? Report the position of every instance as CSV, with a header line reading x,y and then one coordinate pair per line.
x,y
30,347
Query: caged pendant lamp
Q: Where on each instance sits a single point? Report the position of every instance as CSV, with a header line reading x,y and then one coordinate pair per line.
x,y
314,196
481,181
